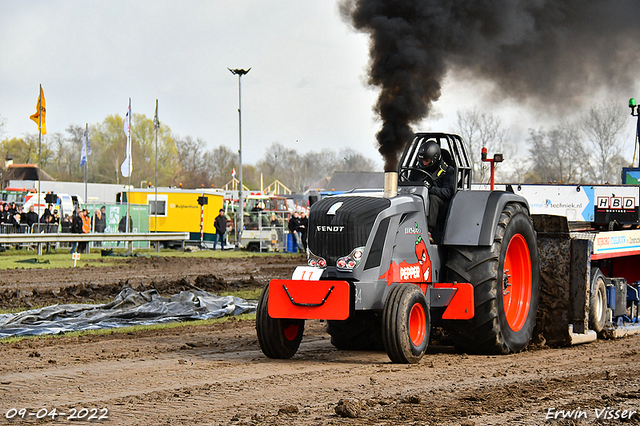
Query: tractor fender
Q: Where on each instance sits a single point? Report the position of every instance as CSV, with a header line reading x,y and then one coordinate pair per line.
x,y
473,216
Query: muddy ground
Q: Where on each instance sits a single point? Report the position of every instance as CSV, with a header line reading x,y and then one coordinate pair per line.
x,y
216,374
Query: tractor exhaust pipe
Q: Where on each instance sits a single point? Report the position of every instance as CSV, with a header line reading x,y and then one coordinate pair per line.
x,y
390,184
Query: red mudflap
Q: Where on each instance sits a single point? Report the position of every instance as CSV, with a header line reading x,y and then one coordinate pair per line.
x,y
302,299
461,306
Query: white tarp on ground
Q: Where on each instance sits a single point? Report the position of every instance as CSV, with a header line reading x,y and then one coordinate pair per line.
x,y
129,308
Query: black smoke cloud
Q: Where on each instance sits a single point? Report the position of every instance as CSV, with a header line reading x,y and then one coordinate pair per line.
x,y
542,50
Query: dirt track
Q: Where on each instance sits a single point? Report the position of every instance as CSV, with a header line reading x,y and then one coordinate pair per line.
x,y
216,374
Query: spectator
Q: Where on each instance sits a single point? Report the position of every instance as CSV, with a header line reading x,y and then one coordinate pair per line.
x,y
220,223
86,221
122,226
294,226
85,228
15,221
76,227
22,215
304,224
273,221
66,224
31,217
4,214
56,217
99,222
45,218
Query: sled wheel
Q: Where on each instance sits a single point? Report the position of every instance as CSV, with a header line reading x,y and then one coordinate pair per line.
x,y
278,338
597,301
506,286
405,324
360,332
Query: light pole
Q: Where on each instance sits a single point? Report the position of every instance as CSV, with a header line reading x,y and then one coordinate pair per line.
x,y
239,227
636,113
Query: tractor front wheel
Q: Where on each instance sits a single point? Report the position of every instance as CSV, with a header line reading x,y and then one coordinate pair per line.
x,y
278,338
406,324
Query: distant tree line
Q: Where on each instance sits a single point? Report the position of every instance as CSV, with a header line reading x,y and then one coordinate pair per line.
x,y
587,150
181,160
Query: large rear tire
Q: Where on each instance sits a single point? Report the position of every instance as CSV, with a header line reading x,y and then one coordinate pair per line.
x,y
278,338
406,324
505,277
597,301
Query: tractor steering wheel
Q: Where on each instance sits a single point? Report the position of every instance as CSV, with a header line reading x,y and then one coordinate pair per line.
x,y
404,174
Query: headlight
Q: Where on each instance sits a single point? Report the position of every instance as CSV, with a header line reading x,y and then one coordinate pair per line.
x,y
349,262
315,261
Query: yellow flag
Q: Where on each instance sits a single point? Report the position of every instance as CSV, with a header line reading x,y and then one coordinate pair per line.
x,y
40,107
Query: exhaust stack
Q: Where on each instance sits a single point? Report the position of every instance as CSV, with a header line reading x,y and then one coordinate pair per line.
x,y
390,184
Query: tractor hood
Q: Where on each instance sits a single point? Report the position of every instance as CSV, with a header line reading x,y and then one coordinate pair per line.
x,y
339,224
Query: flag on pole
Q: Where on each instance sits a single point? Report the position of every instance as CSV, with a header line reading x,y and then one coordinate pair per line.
x,y
39,116
233,173
86,149
126,122
125,168
156,123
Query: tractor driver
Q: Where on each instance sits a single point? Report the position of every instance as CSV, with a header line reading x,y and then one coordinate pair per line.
x,y
442,178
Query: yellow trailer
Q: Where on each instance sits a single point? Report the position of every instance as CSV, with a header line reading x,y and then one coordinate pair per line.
x,y
179,210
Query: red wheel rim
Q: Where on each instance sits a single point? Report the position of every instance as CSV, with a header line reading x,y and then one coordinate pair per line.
x,y
516,283
290,331
417,324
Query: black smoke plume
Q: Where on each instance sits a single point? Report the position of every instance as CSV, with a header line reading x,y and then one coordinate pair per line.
x,y
548,51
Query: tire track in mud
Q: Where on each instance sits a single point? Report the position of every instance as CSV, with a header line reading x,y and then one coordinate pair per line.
x,y
217,375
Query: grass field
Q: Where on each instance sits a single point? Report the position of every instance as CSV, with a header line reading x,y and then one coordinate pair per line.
x,y
27,259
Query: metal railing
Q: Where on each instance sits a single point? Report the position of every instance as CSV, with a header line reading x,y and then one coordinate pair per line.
x,y
45,228
30,239
266,231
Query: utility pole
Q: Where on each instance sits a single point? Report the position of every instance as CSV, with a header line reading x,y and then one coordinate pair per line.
x,y
240,223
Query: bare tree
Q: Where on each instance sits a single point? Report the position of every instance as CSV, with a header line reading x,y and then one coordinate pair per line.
x,y
58,165
317,165
558,155
352,161
478,130
193,163
519,171
602,125
283,164
71,149
223,161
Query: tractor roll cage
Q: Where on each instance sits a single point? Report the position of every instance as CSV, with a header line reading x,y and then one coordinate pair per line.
x,y
453,152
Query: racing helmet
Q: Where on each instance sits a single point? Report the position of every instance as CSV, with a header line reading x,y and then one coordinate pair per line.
x,y
429,156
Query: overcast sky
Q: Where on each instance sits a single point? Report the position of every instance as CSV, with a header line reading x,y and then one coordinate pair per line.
x,y
306,88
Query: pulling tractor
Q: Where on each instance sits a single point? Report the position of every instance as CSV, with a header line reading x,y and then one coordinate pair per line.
x,y
380,280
